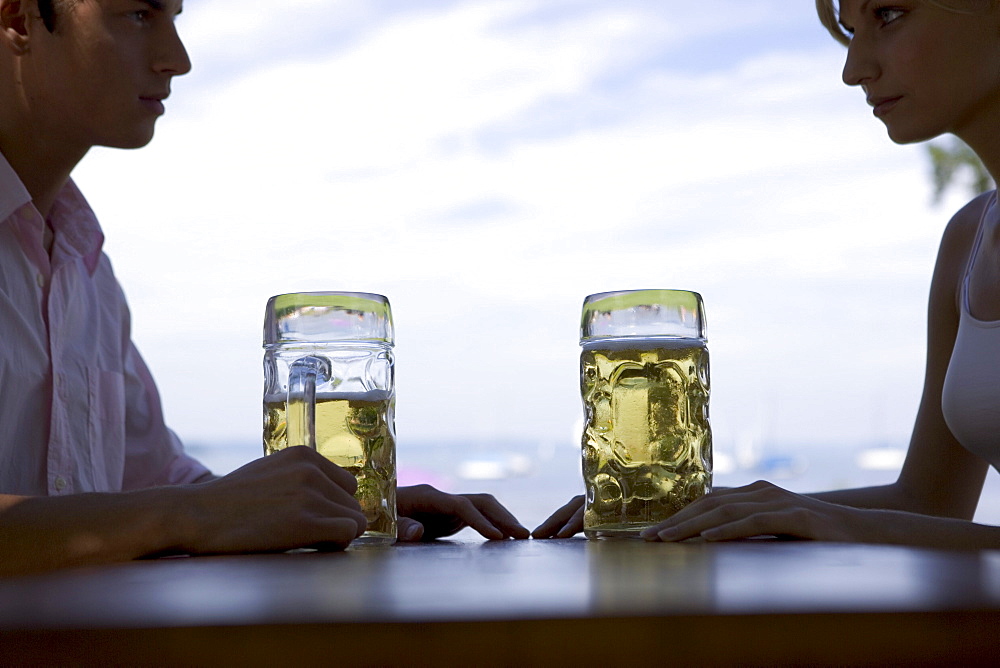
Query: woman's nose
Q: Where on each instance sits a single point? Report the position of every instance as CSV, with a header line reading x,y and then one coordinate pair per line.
x,y
860,66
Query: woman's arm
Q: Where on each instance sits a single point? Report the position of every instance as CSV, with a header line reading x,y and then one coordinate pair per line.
x,y
939,476
938,488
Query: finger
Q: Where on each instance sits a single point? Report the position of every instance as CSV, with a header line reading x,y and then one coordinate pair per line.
x,y
331,511
558,519
466,511
301,463
337,474
783,523
330,491
707,522
425,499
724,497
498,515
334,534
689,521
574,526
409,530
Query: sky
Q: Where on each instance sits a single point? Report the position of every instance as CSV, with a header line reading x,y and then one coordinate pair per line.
x,y
487,165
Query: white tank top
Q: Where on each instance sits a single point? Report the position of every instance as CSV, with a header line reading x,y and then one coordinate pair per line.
x,y
970,398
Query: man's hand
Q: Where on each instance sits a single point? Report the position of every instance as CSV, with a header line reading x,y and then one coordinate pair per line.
x,y
293,498
426,513
564,523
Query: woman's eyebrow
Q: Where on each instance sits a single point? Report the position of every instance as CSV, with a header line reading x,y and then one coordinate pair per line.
x,y
861,12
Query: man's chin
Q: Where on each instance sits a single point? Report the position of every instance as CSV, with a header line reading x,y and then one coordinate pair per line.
x,y
138,143
136,139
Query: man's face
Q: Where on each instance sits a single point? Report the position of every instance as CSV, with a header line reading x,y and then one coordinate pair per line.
x,y
101,77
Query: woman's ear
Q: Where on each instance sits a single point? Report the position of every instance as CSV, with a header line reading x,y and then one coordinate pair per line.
x,y
14,25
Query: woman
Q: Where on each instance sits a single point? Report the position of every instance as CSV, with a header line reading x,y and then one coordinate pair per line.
x,y
926,67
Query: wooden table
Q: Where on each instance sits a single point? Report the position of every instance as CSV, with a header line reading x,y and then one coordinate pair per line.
x,y
565,602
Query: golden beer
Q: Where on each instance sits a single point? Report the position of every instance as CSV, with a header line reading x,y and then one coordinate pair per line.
x,y
357,432
647,443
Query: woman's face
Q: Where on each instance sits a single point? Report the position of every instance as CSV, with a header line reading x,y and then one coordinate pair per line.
x,y
924,69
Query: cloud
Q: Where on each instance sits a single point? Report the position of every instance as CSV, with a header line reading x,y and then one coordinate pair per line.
x,y
486,165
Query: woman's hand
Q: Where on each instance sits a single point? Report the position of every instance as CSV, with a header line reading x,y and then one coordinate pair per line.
x,y
758,509
426,513
764,509
564,523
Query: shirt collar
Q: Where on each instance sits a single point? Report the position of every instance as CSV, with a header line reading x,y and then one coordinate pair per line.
x,y
71,218
13,194
74,222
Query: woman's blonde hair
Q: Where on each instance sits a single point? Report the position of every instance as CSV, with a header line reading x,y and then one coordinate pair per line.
x,y
829,14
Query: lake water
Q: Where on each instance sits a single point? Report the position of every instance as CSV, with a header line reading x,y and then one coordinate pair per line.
x,y
533,479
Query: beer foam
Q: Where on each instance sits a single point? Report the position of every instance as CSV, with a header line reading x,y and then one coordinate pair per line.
x,y
644,343
370,395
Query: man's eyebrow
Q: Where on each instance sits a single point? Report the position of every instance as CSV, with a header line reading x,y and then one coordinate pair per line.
x,y
159,5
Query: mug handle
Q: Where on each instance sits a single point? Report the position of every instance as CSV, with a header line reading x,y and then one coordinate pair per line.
x,y
303,377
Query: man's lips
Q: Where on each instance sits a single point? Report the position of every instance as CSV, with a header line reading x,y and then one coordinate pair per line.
x,y
154,102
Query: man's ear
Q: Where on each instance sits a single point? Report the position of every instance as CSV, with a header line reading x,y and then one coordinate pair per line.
x,y
14,25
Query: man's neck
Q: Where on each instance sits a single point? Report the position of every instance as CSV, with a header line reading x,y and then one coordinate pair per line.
x,y
43,171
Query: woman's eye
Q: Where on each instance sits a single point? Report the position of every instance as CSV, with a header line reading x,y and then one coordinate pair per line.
x,y
887,15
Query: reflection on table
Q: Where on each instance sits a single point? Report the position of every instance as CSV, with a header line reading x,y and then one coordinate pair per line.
x,y
517,603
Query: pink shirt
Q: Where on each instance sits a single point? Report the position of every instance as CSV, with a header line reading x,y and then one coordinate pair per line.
x,y
79,411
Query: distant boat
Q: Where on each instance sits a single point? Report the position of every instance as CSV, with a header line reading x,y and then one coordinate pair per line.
x,y
497,466
881,459
781,466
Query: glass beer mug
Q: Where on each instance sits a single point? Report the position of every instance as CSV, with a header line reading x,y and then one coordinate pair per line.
x,y
647,442
329,384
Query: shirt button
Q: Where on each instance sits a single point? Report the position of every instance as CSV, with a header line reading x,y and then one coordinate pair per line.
x,y
41,280
60,484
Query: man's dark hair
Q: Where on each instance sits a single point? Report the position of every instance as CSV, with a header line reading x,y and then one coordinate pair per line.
x,y
48,12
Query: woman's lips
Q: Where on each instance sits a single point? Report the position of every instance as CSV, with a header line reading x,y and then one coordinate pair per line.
x,y
882,106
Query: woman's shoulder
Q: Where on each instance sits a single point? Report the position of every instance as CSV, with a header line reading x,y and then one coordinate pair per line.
x,y
962,227
956,244
960,233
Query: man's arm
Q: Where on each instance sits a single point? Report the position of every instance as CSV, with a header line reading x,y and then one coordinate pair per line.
x,y
295,498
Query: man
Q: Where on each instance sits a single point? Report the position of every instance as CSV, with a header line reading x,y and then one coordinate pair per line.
x,y
88,471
